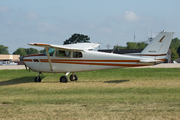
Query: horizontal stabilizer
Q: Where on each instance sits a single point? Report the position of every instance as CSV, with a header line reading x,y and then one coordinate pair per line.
x,y
146,61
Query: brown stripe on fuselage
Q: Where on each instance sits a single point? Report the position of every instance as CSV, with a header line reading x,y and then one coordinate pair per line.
x,y
75,60
160,60
154,55
106,64
93,62
27,60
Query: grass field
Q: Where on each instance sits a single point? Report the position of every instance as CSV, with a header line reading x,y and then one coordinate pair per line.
x,y
133,93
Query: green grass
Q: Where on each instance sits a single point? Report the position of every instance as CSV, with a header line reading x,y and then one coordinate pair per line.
x,y
133,93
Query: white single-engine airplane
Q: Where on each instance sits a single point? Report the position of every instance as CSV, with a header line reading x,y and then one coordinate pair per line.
x,y
78,57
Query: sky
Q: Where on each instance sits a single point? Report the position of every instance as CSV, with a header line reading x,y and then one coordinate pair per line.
x,y
104,21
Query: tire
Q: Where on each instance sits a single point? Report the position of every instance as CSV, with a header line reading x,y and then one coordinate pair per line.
x,y
37,79
75,78
63,79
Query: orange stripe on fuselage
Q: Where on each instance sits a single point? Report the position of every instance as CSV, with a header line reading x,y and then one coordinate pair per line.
x,y
93,62
161,60
73,60
153,55
106,64
27,60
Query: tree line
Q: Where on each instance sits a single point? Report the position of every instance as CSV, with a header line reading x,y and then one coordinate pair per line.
x,y
75,38
80,38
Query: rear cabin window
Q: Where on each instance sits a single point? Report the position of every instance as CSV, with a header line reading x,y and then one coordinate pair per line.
x,y
77,55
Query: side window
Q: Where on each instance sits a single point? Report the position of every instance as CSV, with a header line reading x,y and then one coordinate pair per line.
x,y
60,53
68,53
77,55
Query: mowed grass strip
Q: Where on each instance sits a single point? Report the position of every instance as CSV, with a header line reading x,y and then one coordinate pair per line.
x,y
128,93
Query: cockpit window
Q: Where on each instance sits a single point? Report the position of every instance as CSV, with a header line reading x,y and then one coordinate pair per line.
x,y
51,51
77,54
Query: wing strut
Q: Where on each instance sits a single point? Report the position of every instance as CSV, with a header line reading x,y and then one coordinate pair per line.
x,y
49,58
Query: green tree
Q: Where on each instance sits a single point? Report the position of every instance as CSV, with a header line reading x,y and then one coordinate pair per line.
x,y
31,51
77,38
132,45
174,54
20,51
141,45
175,44
119,47
42,51
3,49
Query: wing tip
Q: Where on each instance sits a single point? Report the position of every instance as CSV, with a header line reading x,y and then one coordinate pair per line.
x,y
38,44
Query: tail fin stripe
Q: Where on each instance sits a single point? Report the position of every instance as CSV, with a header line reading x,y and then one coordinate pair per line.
x,y
162,38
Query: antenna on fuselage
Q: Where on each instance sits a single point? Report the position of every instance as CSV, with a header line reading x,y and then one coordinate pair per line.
x,y
76,40
114,48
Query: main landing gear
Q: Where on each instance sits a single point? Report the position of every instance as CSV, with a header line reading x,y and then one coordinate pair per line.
x,y
72,77
63,79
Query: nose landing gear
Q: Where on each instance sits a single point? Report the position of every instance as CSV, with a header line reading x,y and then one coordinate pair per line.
x,y
38,79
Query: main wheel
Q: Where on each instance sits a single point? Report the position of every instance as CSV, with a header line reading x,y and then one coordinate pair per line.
x,y
63,79
73,78
37,79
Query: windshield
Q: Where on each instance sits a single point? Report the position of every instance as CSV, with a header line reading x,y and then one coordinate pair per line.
x,y
51,51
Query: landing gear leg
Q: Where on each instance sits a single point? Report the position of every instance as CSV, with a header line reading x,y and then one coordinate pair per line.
x,y
38,79
73,77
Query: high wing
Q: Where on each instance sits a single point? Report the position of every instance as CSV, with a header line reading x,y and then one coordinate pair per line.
x,y
72,47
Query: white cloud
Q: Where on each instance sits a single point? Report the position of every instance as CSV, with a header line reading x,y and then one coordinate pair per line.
x,y
31,16
131,16
4,9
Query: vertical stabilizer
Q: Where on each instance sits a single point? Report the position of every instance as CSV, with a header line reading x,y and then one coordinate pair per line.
x,y
158,48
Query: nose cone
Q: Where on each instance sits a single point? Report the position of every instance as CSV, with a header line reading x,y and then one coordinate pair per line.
x,y
24,59
32,61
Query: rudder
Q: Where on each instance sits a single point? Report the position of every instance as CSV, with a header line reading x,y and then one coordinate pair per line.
x,y
158,48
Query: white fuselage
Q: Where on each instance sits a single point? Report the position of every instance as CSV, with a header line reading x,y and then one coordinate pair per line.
x,y
90,60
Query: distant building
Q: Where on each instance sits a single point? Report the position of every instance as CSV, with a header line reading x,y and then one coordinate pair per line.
x,y
4,57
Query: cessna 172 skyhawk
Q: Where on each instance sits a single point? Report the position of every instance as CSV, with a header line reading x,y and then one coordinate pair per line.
x,y
78,57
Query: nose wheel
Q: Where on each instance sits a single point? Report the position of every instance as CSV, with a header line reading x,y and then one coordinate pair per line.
x,y
37,79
